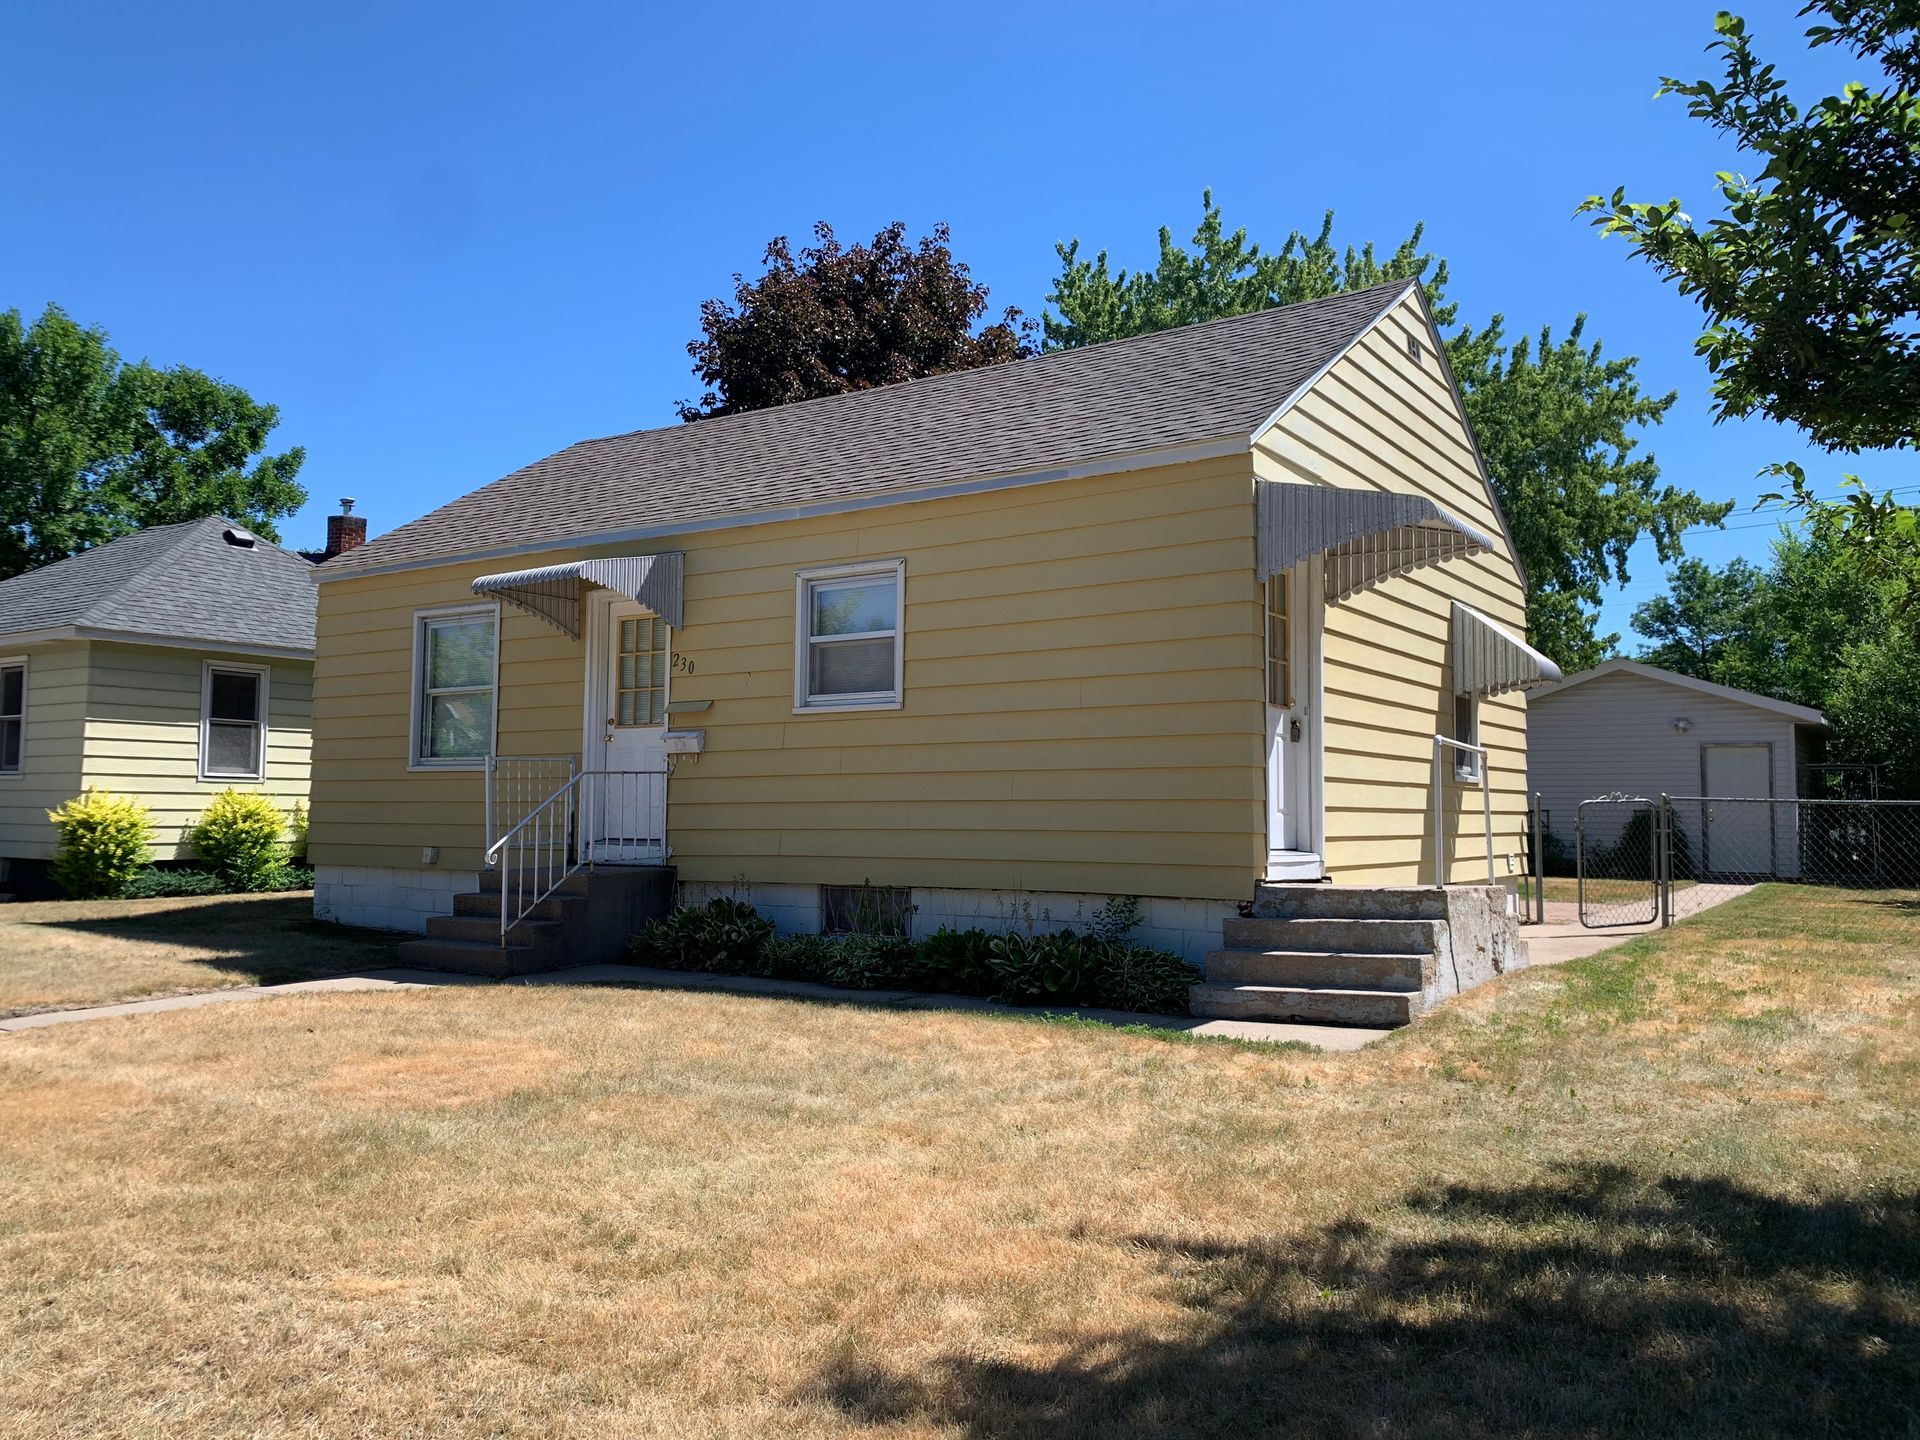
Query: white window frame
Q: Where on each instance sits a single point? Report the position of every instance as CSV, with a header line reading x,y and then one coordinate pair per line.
x,y
417,759
803,641
1466,764
263,676
9,662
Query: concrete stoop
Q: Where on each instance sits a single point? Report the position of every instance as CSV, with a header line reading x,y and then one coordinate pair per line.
x,y
1350,955
587,921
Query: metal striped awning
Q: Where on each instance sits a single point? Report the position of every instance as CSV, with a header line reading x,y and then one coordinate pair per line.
x,y
553,591
1366,535
1489,659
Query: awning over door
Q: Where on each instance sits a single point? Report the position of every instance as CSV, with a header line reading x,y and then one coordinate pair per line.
x,y
553,591
1366,535
1491,660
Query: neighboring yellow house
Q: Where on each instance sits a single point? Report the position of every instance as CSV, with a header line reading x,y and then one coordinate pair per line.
x,y
168,665
1166,617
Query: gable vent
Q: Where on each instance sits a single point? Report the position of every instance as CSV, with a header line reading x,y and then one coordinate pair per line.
x,y
245,539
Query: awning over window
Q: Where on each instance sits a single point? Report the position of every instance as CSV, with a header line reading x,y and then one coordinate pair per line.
x,y
1366,535
553,591
1491,660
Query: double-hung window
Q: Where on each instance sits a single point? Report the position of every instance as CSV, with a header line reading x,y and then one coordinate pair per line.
x,y
13,716
847,641
233,722
455,655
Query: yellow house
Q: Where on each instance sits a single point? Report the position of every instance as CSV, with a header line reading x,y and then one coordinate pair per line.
x,y
1173,617
168,665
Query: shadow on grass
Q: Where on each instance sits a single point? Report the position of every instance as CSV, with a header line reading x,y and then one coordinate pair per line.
x,y
1599,1302
271,938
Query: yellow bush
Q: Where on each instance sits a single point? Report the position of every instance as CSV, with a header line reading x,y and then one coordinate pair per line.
x,y
105,840
240,837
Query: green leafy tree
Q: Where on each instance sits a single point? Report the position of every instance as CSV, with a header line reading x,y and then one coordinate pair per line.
x,y
92,448
1222,275
1811,627
1704,611
835,319
1810,278
1558,421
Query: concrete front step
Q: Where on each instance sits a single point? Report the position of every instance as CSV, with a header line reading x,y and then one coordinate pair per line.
x,y
485,930
472,957
1313,1004
1362,935
1349,902
1353,969
580,882
487,903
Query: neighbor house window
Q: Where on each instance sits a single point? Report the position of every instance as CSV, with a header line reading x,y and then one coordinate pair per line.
x,y
848,637
455,665
233,722
1466,729
13,715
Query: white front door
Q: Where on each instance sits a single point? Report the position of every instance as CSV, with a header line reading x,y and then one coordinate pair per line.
x,y
624,806
1292,681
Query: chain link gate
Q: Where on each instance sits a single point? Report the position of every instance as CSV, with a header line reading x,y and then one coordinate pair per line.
x,y
1642,861
1618,855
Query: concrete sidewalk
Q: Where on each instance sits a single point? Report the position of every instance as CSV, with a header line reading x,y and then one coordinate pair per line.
x,y
1564,938
1321,1037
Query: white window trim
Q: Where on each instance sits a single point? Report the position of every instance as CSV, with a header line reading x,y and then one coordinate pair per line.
x,y
1467,766
265,676
26,682
417,689
803,580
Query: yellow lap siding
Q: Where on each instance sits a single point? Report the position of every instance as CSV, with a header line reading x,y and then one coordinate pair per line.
x,y
1081,707
50,764
143,734
1379,420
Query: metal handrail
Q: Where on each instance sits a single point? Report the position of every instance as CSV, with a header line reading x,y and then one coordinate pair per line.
x,y
549,843
511,782
544,835
1442,743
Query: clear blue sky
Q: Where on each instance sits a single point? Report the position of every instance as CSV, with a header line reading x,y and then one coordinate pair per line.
x,y
449,239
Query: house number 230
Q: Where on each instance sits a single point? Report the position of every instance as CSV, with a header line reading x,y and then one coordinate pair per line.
x,y
681,664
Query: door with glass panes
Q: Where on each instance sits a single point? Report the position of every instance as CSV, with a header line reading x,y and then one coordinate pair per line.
x,y
624,817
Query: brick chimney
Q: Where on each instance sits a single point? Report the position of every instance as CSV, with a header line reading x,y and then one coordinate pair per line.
x,y
345,531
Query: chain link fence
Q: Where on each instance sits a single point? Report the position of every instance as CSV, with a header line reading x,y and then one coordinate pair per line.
x,y
1640,860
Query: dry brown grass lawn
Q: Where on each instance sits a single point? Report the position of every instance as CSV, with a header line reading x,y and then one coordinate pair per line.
x,y
64,954
1668,1191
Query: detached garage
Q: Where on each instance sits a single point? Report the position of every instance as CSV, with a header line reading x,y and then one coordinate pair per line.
x,y
1634,729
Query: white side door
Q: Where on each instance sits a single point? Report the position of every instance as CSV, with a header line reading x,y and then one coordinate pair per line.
x,y
1739,838
624,809
1292,687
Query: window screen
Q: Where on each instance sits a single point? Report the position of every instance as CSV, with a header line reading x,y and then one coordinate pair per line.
x,y
865,909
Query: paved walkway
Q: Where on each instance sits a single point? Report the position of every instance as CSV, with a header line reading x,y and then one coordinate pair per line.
x,y
1323,1037
1563,937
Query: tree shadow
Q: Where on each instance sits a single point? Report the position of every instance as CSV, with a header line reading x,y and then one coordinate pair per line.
x,y
272,938
1597,1302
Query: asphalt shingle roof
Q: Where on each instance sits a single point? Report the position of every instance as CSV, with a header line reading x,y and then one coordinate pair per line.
x,y
181,582
1174,387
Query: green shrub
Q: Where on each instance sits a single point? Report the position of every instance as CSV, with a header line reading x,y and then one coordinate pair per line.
x,y
1137,978
1063,968
104,841
956,960
240,836
723,935
151,884
1052,969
